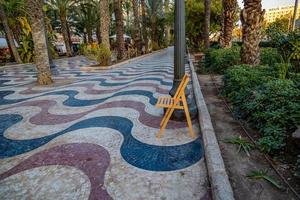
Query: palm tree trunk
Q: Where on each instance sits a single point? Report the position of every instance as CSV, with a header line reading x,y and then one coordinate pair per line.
x,y
98,33
104,21
89,34
145,34
252,17
137,36
229,11
64,30
154,30
9,36
119,29
41,56
206,23
167,27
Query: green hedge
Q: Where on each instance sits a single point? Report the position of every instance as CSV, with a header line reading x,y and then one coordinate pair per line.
x,y
218,60
269,104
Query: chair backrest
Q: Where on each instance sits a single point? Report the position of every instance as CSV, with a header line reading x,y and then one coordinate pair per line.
x,y
182,86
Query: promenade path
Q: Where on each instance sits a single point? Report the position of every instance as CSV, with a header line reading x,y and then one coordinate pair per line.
x,y
91,135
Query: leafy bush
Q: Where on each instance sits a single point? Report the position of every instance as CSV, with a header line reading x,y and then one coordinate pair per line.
x,y
218,60
269,56
267,43
275,111
97,52
269,104
288,47
241,82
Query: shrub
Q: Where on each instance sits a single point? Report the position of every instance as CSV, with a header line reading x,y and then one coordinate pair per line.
x,y
97,52
269,104
218,60
240,82
275,111
269,56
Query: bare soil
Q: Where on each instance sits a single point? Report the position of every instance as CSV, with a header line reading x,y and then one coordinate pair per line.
x,y
238,164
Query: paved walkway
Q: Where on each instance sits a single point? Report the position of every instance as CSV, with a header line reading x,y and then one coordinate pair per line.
x,y
91,135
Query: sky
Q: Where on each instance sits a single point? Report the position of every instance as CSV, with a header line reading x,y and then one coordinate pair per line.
x,y
266,4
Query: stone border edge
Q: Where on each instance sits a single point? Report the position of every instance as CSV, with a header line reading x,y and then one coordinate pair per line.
x,y
220,184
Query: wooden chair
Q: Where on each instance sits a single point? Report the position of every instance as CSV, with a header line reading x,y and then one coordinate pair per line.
x,y
172,103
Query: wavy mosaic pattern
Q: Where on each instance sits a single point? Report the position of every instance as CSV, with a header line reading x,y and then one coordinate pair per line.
x,y
34,121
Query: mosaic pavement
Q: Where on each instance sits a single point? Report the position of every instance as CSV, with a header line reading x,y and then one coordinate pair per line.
x,y
91,135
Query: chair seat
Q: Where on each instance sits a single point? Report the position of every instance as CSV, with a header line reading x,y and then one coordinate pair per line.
x,y
167,102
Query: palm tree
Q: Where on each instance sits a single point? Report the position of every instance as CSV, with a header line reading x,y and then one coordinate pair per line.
x,y
167,27
206,23
144,25
229,12
154,10
119,29
62,7
41,56
252,17
104,22
9,35
137,36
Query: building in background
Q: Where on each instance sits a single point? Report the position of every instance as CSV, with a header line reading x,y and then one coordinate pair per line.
x,y
280,12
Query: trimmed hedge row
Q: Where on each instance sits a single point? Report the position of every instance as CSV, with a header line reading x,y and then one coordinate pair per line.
x,y
270,104
218,60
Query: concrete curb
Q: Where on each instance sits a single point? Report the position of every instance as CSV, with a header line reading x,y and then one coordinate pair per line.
x,y
220,184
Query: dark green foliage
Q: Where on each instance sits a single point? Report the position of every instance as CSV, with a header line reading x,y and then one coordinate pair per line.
x,y
195,21
241,82
288,48
266,44
275,112
218,60
269,56
269,104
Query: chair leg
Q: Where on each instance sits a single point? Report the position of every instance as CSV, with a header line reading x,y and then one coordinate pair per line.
x,y
165,122
188,118
164,119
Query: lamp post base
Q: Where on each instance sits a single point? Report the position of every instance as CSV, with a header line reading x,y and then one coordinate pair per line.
x,y
179,115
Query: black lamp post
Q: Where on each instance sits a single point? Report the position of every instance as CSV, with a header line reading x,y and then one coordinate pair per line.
x,y
180,58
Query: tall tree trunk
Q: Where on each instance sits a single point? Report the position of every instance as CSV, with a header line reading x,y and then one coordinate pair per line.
x,y
104,21
252,17
65,33
167,27
9,36
154,31
137,36
144,24
229,11
89,34
294,15
119,29
41,56
84,38
206,23
98,33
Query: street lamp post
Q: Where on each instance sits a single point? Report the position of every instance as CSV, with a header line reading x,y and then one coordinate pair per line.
x,y
180,58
